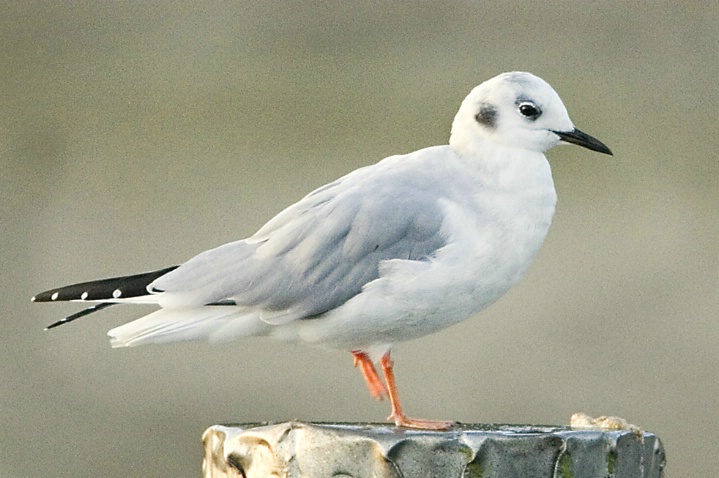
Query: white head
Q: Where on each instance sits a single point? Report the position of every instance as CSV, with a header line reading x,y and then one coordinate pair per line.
x,y
518,110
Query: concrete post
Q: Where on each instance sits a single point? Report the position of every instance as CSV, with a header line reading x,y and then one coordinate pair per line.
x,y
297,449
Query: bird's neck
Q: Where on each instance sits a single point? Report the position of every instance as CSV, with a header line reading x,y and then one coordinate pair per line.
x,y
506,167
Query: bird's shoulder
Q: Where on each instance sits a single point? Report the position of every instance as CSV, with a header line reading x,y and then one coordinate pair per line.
x,y
398,196
417,178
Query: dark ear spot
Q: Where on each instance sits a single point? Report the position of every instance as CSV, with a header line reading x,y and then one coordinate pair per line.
x,y
487,115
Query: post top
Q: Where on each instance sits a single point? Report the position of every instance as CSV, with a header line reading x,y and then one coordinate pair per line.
x,y
296,449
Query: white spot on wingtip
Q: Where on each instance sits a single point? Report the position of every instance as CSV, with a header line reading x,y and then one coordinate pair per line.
x,y
33,299
54,296
84,295
116,293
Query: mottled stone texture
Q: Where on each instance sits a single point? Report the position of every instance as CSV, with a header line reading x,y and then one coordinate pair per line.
x,y
296,449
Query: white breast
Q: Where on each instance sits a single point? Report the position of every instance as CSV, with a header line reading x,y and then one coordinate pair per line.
x,y
492,237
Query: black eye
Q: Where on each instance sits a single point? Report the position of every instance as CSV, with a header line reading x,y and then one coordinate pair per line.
x,y
529,110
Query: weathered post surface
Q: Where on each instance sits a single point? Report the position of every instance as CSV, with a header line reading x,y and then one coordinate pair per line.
x,y
297,449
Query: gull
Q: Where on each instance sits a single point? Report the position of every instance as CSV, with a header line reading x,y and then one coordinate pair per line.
x,y
387,253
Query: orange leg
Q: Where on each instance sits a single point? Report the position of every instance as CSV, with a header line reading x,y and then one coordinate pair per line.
x,y
400,419
376,387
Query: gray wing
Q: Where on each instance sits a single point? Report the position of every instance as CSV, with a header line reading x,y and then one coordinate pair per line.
x,y
321,251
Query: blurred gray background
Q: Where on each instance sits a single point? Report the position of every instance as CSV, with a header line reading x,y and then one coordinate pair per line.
x,y
133,136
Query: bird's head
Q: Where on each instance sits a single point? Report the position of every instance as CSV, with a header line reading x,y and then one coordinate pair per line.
x,y
519,110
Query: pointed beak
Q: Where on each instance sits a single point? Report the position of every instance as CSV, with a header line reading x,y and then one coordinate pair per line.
x,y
583,139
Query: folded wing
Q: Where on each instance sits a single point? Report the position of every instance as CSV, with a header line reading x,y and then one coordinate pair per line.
x,y
318,253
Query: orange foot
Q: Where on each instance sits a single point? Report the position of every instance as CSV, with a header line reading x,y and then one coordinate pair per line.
x,y
378,390
374,383
406,422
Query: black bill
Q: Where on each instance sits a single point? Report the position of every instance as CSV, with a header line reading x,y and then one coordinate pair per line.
x,y
583,139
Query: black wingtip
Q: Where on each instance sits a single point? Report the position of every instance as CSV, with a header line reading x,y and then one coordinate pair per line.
x,y
82,313
104,289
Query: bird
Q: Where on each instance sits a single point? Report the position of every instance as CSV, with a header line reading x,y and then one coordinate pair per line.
x,y
390,252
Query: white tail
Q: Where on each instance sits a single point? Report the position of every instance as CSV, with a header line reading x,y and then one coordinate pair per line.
x,y
178,325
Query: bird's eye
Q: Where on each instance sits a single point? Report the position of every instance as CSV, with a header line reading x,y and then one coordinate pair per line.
x,y
529,110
